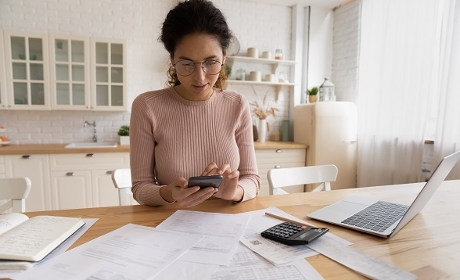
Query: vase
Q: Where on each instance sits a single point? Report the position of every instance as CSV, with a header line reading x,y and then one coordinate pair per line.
x,y
262,130
312,98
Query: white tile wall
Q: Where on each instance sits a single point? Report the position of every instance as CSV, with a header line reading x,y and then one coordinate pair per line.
x,y
264,26
346,50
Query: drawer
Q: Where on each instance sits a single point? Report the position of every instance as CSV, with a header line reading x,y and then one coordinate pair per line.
x,y
278,158
62,162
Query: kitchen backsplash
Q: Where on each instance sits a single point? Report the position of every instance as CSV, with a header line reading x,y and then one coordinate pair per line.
x,y
137,21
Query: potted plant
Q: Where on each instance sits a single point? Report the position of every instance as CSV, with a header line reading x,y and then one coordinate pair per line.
x,y
312,94
123,132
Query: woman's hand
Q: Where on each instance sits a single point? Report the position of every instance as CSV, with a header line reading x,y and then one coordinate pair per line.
x,y
229,188
187,197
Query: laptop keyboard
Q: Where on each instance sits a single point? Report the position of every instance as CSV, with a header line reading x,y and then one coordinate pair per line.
x,y
378,216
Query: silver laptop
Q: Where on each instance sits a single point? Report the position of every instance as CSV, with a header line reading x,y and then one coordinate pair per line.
x,y
383,218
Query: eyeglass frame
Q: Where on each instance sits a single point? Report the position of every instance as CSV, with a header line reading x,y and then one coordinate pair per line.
x,y
202,66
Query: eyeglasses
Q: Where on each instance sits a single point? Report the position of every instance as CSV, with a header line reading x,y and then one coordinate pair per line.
x,y
186,67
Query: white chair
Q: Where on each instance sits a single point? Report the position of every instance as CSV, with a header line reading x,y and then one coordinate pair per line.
x,y
14,191
292,176
122,180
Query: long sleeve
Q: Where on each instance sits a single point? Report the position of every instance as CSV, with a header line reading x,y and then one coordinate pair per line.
x,y
172,137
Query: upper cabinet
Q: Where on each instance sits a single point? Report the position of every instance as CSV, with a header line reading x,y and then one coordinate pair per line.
x,y
64,72
26,61
2,74
70,72
108,69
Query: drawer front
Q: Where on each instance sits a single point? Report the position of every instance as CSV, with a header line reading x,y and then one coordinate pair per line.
x,y
2,167
278,158
63,162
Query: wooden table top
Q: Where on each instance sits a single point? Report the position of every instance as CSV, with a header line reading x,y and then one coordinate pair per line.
x,y
429,246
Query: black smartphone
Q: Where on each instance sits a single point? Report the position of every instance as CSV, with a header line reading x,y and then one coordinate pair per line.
x,y
205,181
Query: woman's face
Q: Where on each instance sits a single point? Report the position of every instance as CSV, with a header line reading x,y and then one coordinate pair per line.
x,y
198,51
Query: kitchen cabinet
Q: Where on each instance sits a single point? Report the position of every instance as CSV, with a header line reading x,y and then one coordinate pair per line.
x,y
108,80
70,72
36,168
278,158
2,167
84,180
3,103
27,73
63,72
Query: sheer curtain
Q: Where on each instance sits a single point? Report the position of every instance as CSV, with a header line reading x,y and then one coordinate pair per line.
x,y
397,71
447,137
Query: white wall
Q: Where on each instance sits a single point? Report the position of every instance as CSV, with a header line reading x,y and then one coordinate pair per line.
x,y
265,26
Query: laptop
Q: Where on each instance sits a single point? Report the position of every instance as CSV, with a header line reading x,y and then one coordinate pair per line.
x,y
383,218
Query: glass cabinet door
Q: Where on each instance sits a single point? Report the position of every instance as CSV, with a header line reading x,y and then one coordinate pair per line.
x,y
109,75
70,72
3,101
28,71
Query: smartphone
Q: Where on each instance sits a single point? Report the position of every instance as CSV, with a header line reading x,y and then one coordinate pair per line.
x,y
205,181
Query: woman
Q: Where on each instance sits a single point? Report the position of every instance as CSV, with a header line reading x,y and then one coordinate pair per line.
x,y
193,127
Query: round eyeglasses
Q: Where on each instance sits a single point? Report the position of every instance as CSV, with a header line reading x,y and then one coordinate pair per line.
x,y
186,67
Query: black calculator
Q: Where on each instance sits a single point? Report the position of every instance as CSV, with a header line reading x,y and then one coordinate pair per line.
x,y
293,234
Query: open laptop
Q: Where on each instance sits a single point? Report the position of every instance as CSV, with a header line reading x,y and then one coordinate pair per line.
x,y
364,214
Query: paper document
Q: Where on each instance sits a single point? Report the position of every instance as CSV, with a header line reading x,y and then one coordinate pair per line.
x,y
360,262
273,251
248,265
131,252
221,234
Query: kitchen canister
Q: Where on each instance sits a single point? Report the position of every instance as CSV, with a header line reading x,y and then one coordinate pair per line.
x,y
267,55
255,76
253,52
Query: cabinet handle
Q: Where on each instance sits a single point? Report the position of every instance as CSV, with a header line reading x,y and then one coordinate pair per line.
x,y
70,174
25,156
109,172
89,155
279,151
277,166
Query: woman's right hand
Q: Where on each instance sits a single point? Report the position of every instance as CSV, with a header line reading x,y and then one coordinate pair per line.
x,y
187,197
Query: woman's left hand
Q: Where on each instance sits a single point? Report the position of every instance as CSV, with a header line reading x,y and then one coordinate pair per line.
x,y
229,188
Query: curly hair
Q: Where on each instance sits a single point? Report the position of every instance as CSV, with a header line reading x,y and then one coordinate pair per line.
x,y
194,17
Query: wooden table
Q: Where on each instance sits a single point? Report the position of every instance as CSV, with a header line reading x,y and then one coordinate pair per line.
x,y
429,246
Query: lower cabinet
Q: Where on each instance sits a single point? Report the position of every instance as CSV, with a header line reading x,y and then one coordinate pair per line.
x,y
85,180
278,158
36,168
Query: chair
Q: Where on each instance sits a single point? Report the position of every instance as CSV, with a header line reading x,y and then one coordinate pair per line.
x,y
122,180
14,191
284,177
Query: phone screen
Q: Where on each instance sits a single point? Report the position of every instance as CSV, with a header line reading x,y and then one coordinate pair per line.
x,y
205,181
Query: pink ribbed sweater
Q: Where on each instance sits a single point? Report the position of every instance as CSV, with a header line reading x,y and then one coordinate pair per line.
x,y
173,137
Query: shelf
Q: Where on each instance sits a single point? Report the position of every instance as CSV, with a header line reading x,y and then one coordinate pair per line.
x,y
246,82
274,62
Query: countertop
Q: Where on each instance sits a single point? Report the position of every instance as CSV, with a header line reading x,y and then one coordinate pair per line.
x,y
60,148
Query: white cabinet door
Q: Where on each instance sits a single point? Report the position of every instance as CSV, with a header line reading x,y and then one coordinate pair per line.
x,y
36,168
71,190
3,95
103,191
108,75
278,158
27,71
70,72
87,174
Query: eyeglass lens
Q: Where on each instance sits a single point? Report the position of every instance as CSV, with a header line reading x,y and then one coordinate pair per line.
x,y
186,67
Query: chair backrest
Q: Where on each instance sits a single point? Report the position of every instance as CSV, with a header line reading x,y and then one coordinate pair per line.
x,y
14,191
292,176
122,181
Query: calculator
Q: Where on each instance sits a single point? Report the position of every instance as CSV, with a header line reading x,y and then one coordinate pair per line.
x,y
293,234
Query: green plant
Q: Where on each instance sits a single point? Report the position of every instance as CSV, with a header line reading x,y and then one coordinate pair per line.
x,y
312,91
124,130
